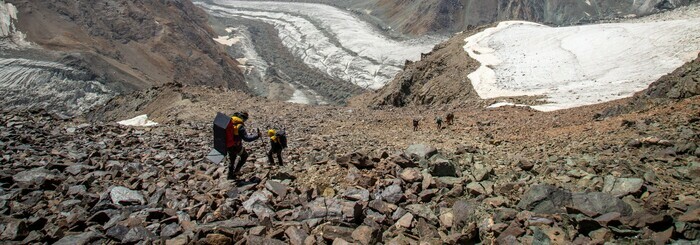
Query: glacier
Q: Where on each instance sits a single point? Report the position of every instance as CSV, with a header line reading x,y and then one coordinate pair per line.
x,y
329,39
578,65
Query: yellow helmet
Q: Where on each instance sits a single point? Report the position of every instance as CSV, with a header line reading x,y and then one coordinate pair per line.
x,y
271,132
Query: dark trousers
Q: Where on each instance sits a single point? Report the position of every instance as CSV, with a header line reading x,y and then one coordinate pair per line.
x,y
278,152
233,152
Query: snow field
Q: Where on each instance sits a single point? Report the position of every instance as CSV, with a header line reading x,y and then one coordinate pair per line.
x,y
579,65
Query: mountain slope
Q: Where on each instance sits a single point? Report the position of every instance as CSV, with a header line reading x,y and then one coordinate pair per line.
x,y
556,67
147,42
447,16
440,77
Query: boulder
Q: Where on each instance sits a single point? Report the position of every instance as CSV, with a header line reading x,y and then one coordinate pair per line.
x,y
392,194
359,160
601,203
117,232
295,235
403,161
620,187
525,164
14,230
218,239
462,211
125,196
513,231
36,177
179,240
442,167
332,232
257,197
547,199
365,235
138,233
79,239
170,230
423,211
481,172
475,188
405,221
276,187
411,175
356,194
421,150
446,219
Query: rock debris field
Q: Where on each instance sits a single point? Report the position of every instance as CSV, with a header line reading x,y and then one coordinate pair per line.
x,y
357,177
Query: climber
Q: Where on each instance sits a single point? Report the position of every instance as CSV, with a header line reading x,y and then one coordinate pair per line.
x,y
235,135
278,141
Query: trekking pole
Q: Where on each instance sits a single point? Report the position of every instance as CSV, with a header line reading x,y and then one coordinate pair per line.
x,y
260,135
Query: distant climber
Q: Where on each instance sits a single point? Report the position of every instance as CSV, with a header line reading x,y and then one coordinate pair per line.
x,y
278,141
235,135
450,118
438,121
415,124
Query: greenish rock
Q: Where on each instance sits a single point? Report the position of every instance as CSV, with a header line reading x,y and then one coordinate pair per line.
x,y
423,211
620,187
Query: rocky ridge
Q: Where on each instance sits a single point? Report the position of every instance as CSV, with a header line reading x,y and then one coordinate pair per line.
x,y
438,79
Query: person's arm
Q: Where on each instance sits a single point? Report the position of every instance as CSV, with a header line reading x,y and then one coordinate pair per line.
x,y
245,136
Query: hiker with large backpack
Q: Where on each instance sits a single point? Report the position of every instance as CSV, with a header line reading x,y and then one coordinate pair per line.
x,y
235,135
278,141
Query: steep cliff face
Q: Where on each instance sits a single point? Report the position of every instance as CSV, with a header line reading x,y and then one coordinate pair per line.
x,y
147,42
445,16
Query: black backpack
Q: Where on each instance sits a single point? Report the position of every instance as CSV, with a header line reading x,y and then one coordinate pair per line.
x,y
282,137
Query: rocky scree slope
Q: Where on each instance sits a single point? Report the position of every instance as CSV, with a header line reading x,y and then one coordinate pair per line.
x,y
501,175
440,77
136,44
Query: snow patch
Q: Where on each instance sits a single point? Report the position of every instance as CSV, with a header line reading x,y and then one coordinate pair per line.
x,y
306,96
8,19
139,121
228,41
579,65
299,97
502,104
8,13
